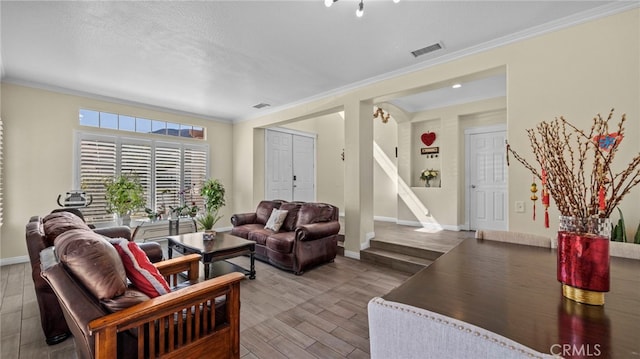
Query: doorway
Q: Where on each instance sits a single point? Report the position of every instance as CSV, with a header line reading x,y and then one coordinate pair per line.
x,y
290,166
486,178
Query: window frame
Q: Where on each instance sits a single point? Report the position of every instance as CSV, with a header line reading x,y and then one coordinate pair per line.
x,y
118,140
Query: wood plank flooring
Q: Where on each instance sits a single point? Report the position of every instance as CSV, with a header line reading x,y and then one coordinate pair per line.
x,y
321,314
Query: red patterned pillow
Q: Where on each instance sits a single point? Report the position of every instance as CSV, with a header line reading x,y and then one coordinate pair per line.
x,y
140,271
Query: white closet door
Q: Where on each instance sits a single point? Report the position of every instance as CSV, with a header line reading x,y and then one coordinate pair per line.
x,y
279,166
290,166
304,169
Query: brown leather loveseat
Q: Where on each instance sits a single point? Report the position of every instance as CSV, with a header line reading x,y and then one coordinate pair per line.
x,y
52,319
308,235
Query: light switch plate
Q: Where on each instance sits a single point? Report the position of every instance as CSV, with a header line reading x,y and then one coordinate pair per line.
x,y
519,206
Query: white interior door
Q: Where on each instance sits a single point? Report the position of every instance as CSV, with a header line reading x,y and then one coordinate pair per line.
x,y
290,166
304,169
487,179
279,166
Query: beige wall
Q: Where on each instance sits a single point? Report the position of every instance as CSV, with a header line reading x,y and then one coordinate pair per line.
x,y
445,204
38,153
559,73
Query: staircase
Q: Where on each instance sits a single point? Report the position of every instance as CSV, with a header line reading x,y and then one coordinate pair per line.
x,y
398,256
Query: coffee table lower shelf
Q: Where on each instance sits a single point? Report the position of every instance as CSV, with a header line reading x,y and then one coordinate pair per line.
x,y
215,253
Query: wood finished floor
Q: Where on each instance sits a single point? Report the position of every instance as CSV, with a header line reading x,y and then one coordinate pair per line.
x,y
321,314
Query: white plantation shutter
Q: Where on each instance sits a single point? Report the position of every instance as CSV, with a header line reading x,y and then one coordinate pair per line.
x,y
1,185
195,172
163,168
167,175
97,162
135,158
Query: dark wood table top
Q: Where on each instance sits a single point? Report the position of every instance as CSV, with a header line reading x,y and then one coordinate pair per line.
x,y
221,243
512,290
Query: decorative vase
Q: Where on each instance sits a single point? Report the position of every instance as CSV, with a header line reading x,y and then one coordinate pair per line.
x,y
124,219
427,184
583,258
209,235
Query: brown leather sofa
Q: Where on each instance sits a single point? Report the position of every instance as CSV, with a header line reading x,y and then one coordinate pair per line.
x,y
110,318
52,319
308,236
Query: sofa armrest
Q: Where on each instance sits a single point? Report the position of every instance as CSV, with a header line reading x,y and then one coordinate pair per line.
x,y
115,232
243,218
191,302
172,267
153,250
309,232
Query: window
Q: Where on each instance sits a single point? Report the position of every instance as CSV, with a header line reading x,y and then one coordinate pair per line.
x,y
170,172
114,121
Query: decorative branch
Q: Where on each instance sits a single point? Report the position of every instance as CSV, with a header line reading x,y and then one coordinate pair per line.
x,y
564,151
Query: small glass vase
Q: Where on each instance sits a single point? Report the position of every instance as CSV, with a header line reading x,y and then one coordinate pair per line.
x,y
427,183
583,258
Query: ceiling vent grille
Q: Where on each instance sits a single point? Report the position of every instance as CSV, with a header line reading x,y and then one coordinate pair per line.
x,y
426,50
261,105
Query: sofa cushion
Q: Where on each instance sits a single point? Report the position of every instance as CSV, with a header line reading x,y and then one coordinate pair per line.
x,y
316,213
276,220
263,212
244,230
130,298
56,223
93,261
292,208
140,271
281,242
260,235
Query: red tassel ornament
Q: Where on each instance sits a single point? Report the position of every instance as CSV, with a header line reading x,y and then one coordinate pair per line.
x,y
601,201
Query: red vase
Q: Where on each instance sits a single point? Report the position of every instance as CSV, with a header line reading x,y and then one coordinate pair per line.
x,y
583,258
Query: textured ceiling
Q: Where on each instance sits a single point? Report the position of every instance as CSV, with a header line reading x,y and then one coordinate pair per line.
x,y
217,59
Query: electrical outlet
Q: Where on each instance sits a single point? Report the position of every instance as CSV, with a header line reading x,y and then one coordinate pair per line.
x,y
519,206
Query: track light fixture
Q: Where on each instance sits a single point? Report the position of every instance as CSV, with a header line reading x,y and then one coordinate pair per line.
x,y
359,10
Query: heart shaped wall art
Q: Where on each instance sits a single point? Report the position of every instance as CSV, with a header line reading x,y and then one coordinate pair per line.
x,y
428,138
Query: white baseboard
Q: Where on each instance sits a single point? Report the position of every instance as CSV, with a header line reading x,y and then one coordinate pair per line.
x,y
351,254
385,219
431,226
224,229
13,260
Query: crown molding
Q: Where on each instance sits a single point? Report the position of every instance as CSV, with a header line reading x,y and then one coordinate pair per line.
x,y
559,24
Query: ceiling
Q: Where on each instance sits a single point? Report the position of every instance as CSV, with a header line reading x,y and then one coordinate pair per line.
x,y
216,59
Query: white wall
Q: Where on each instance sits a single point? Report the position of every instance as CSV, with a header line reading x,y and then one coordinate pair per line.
x,y
38,153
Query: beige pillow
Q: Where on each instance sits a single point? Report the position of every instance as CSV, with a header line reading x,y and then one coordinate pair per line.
x,y
276,220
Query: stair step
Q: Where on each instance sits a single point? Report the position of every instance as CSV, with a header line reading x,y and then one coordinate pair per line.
x,y
405,249
395,260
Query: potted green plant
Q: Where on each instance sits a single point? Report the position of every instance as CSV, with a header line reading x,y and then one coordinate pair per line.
x,y
212,192
124,195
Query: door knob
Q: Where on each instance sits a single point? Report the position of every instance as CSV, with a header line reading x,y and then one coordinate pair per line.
x,y
473,186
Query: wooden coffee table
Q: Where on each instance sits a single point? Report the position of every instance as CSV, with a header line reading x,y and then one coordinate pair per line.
x,y
214,252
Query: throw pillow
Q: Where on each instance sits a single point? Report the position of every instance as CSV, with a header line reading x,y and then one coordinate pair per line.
x,y
276,220
57,223
140,271
92,260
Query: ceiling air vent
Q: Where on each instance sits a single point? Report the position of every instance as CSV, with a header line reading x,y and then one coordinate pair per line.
x,y
261,105
426,50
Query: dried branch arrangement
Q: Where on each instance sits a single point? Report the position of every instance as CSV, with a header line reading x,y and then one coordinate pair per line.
x,y
564,152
